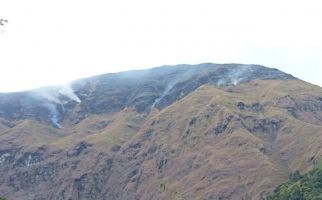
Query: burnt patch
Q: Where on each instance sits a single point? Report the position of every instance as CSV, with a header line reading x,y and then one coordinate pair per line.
x,y
29,159
192,121
7,157
147,134
91,186
147,155
222,127
79,149
266,125
257,107
116,148
135,145
241,105
31,178
161,164
109,164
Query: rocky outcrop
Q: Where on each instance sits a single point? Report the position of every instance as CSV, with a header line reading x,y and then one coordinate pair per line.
x,y
308,109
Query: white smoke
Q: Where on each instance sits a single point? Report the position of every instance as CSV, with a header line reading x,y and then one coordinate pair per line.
x,y
53,96
236,75
165,92
239,74
53,113
67,91
47,93
221,82
171,84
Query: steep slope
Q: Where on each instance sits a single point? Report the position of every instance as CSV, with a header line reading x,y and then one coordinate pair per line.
x,y
184,132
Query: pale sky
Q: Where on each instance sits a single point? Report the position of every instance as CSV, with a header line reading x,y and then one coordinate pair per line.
x,y
48,42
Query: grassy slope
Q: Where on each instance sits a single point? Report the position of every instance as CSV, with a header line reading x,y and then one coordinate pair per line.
x,y
235,164
227,162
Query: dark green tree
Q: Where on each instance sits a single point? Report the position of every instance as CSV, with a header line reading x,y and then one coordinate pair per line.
x,y
300,187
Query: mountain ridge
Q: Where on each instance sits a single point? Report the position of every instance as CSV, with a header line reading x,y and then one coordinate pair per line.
x,y
179,81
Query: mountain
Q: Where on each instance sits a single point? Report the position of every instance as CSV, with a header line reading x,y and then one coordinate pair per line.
x,y
208,131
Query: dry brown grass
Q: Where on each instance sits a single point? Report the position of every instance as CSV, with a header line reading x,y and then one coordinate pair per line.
x,y
235,164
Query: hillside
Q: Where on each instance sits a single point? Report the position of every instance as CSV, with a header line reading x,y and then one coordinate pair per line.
x,y
203,132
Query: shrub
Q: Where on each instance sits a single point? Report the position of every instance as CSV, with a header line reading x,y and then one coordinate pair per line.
x,y
300,187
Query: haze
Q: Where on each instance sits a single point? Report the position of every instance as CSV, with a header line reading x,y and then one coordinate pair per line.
x,y
53,42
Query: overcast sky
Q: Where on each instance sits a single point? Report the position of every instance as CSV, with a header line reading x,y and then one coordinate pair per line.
x,y
52,42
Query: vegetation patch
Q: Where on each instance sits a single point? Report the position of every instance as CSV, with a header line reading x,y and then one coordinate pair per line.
x,y
300,187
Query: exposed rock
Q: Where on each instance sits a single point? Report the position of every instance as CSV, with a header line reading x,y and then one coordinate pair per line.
x,y
115,148
31,178
267,126
7,157
29,159
192,121
302,107
135,146
223,125
257,107
241,105
78,149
